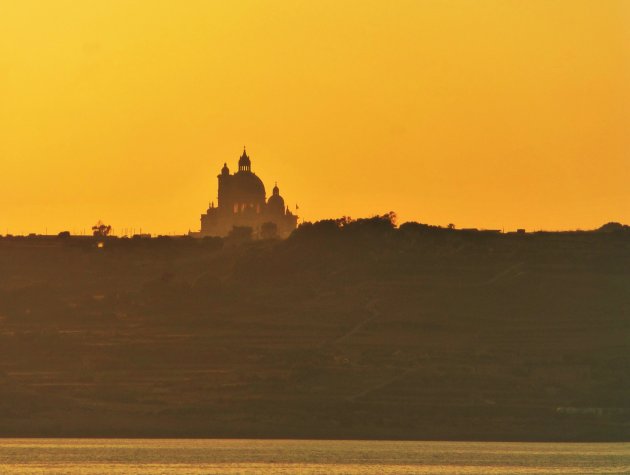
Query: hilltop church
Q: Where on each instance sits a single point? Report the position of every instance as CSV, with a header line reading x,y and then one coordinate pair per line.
x,y
242,202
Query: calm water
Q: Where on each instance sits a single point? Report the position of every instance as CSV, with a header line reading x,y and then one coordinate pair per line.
x,y
126,456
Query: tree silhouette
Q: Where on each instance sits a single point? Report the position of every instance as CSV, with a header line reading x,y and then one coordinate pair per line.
x,y
101,230
269,230
241,233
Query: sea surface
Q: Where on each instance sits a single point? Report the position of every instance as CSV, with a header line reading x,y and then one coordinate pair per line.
x,y
208,456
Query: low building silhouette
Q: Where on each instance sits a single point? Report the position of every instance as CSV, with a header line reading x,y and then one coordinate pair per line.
x,y
242,202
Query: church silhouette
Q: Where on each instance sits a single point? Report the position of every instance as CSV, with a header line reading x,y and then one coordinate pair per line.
x,y
242,202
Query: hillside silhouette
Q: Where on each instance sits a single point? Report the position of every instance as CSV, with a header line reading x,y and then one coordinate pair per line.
x,y
347,329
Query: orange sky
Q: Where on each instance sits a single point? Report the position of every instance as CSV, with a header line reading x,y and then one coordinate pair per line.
x,y
496,114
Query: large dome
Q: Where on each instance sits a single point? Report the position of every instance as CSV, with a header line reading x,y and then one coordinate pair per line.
x,y
247,184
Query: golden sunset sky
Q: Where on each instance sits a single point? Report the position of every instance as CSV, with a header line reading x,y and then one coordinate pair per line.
x,y
493,114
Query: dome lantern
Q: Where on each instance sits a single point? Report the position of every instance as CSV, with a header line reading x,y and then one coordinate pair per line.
x,y
244,163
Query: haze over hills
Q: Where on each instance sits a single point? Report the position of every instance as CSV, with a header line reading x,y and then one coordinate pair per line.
x,y
348,329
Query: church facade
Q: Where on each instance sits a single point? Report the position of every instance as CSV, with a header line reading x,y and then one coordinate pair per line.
x,y
242,202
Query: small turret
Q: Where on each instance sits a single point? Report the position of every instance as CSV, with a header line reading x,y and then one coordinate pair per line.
x,y
275,203
225,170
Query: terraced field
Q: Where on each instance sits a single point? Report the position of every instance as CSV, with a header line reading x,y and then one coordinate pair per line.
x,y
397,334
